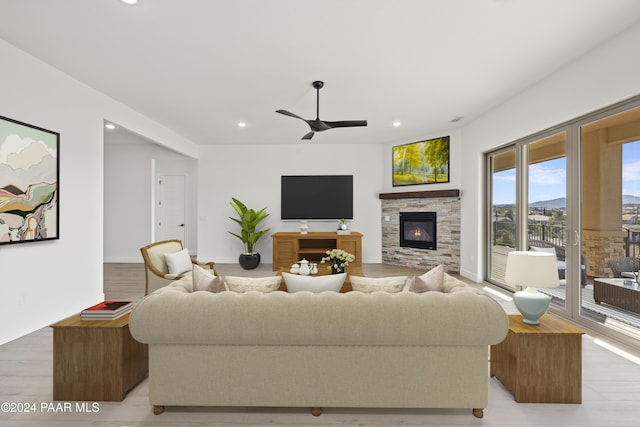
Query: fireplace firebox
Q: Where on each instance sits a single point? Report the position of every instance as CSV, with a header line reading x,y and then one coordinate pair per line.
x,y
418,230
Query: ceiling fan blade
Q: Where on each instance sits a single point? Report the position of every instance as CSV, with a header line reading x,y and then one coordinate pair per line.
x,y
309,135
286,113
346,123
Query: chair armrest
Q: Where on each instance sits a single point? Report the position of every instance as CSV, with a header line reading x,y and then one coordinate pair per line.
x,y
173,276
208,264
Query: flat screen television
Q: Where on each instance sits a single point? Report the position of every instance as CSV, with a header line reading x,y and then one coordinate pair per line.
x,y
316,197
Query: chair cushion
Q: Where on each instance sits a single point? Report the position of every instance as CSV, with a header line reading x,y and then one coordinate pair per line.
x,y
178,262
547,250
156,254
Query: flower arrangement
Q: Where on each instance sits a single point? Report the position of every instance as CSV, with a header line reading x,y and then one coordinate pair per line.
x,y
338,259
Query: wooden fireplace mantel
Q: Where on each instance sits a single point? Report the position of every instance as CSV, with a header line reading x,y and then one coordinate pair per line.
x,y
420,194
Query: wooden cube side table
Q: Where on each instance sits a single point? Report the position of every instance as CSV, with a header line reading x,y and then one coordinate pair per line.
x,y
540,364
96,360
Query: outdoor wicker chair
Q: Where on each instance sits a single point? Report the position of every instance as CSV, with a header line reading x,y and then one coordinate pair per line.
x,y
618,265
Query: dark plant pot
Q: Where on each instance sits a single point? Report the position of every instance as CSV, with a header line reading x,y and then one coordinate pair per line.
x,y
249,261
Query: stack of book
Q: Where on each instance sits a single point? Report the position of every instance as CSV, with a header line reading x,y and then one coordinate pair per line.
x,y
106,310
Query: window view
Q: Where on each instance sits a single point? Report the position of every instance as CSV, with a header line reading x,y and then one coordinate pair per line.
x,y
503,213
610,155
547,206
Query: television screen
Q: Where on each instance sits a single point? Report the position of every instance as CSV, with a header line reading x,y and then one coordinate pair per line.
x,y
316,197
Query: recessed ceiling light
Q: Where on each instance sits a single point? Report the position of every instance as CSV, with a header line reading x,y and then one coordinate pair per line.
x,y
110,126
397,124
129,1
242,124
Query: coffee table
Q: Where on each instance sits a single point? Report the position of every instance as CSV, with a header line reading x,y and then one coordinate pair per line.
x,y
322,271
96,359
615,292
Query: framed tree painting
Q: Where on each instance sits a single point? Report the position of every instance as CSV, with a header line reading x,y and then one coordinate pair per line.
x,y
29,182
421,162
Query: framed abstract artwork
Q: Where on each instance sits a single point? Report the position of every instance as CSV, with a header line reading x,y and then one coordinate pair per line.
x,y
421,162
29,183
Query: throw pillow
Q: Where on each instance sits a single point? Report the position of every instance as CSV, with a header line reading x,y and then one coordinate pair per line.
x,y
432,280
246,284
206,280
329,282
375,284
178,262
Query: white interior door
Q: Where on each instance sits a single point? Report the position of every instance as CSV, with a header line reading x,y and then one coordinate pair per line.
x,y
171,207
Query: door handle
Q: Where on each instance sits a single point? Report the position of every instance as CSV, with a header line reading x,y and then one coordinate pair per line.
x,y
576,238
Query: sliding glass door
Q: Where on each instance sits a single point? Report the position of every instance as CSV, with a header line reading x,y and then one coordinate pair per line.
x,y
574,190
610,216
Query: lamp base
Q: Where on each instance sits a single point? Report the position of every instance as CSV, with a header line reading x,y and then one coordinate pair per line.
x,y
531,304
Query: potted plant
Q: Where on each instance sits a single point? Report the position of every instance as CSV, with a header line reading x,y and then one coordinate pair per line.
x,y
248,220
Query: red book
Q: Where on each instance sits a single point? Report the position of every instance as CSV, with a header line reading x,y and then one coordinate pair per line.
x,y
110,308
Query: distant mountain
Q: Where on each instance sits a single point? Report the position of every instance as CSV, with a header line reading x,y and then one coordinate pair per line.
x,y
630,200
550,204
561,202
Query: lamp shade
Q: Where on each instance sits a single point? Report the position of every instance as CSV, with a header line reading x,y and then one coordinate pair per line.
x,y
529,268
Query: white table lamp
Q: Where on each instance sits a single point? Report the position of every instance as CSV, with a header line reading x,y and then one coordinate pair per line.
x,y
533,270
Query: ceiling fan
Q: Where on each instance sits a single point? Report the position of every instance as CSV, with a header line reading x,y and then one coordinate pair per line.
x,y
318,125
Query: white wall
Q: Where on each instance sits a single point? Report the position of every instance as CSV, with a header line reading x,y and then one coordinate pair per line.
x,y
602,77
251,173
43,282
129,185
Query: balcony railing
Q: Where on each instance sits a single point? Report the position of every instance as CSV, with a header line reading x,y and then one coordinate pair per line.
x,y
504,233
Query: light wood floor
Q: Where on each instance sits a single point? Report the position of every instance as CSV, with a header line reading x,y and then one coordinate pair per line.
x,y
610,392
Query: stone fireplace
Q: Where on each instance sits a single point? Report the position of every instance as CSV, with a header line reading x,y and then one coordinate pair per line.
x,y
445,207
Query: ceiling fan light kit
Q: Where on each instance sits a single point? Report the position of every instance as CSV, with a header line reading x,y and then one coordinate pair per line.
x,y
318,125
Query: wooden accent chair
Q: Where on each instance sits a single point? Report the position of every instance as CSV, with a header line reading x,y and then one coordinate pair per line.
x,y
618,265
155,268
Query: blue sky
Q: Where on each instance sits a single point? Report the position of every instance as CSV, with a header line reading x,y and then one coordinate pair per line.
x,y
547,180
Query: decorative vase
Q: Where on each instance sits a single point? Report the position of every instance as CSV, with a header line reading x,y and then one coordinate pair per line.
x,y
249,261
336,270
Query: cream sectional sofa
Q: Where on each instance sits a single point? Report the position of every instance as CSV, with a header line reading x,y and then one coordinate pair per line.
x,y
278,349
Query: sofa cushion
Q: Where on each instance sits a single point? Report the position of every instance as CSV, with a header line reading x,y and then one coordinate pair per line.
x,y
178,262
541,249
329,282
375,284
259,284
206,280
432,280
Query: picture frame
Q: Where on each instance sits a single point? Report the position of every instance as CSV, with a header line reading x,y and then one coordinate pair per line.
x,y
421,162
29,183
